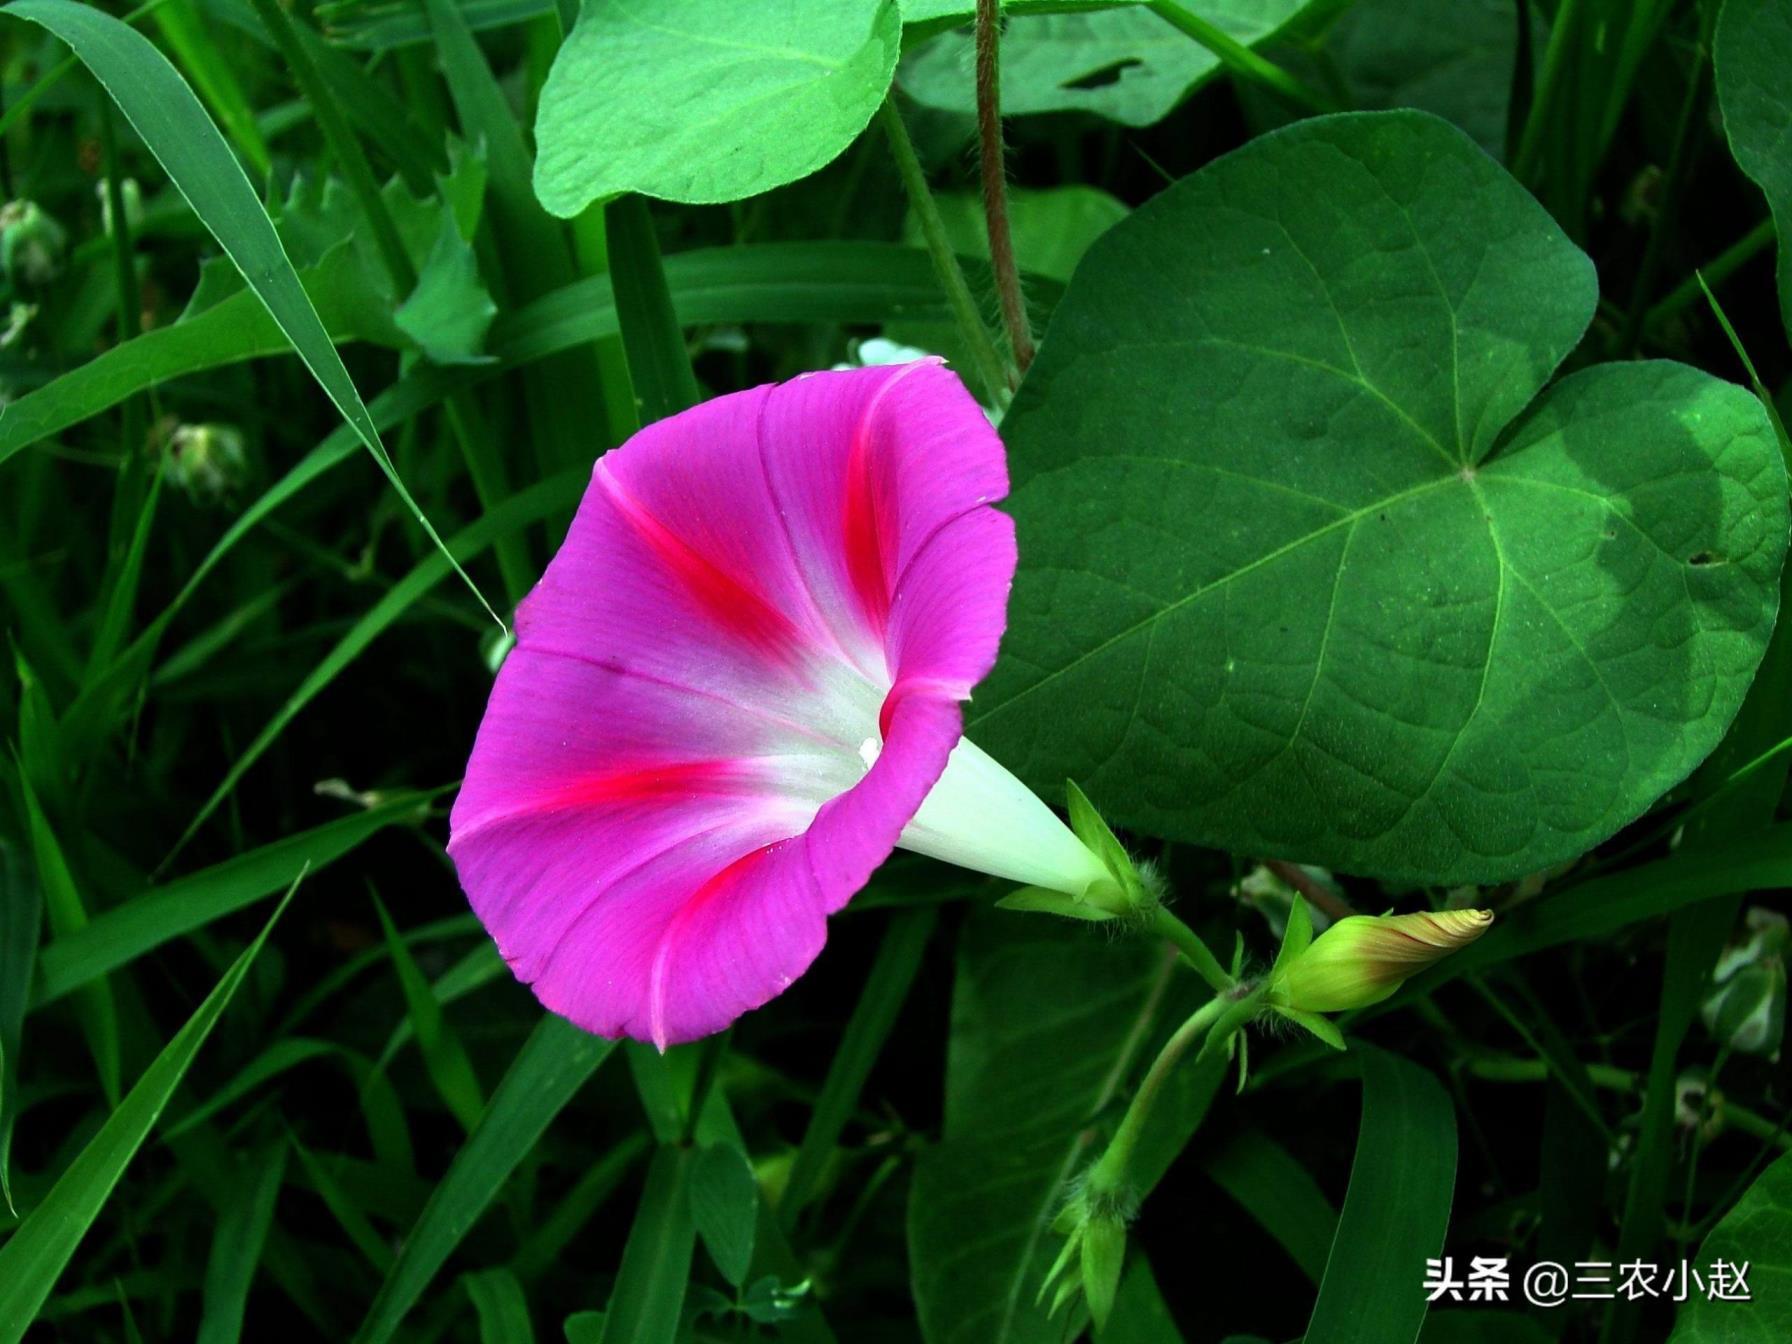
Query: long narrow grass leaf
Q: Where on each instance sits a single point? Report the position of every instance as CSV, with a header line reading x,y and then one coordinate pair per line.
x,y
444,1057
160,104
34,1257
541,500
548,1071
237,1244
166,912
1396,1210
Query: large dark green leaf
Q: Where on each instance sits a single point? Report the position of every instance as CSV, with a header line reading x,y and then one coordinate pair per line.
x,y
1752,53
1293,581
692,101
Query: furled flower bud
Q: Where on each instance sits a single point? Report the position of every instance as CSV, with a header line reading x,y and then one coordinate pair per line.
x,y
1363,959
31,243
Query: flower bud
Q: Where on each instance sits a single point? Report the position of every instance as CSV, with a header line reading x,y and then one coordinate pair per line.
x,y
206,461
31,243
1363,959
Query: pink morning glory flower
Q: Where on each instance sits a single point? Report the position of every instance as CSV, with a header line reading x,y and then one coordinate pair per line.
x,y
737,688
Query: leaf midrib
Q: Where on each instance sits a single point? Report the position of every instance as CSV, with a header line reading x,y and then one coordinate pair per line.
x,y
1149,621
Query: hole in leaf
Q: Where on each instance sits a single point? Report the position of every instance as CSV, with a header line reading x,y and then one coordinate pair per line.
x,y
1702,558
1102,75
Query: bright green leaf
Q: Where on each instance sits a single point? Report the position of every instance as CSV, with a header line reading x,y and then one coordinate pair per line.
x,y
449,311
687,100
1292,581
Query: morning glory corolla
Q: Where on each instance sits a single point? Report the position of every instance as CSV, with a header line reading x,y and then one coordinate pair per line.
x,y
737,688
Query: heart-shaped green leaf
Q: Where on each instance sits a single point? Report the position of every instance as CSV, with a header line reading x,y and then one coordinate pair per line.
x,y
1294,583
1751,53
690,100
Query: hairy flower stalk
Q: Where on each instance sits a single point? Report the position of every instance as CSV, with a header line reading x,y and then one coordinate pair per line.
x,y
1093,1221
737,688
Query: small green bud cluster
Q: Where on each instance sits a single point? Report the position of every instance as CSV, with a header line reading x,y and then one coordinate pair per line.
x,y
31,243
206,461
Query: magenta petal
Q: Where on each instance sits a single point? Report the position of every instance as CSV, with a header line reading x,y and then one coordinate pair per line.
x,y
733,687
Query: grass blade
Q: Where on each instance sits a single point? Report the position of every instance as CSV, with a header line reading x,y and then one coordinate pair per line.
x,y
444,1057
1271,1186
548,1071
186,33
97,1010
541,500
163,108
658,363
21,915
236,1248
166,912
34,1257
866,1031
503,1311
656,1264
1396,1211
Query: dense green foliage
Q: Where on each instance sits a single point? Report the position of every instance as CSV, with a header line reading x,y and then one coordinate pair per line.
x,y
1402,509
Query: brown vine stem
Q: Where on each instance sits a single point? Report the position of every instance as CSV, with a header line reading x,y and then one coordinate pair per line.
x,y
1310,887
995,184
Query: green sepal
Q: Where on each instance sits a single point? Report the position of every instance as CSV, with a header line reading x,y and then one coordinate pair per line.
x,y
1066,1292
1072,1244
1295,940
1322,1027
1104,1252
1089,827
1043,900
